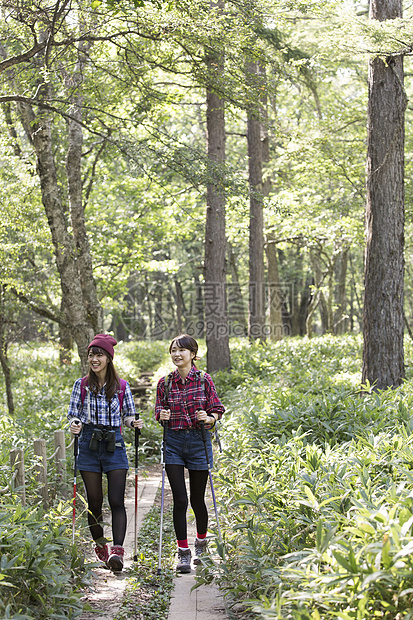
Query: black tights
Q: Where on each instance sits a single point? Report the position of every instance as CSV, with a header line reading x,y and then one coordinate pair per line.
x,y
116,496
197,485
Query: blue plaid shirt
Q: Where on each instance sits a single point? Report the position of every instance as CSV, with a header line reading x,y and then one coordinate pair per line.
x,y
99,407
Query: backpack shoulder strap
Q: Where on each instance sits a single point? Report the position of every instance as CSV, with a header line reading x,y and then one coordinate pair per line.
x,y
121,393
168,383
202,375
83,384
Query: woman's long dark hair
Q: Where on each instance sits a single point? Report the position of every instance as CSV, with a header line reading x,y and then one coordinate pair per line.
x,y
112,377
186,342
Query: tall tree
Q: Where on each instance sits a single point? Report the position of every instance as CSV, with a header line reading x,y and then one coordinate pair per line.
x,y
216,316
275,300
4,363
256,306
81,314
383,353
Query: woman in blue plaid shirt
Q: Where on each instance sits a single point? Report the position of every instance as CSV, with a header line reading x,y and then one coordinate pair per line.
x,y
184,400
100,403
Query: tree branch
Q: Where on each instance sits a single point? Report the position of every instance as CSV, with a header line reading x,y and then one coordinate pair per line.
x,y
38,309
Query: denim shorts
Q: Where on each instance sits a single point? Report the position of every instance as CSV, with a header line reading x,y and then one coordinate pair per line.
x,y
101,460
185,447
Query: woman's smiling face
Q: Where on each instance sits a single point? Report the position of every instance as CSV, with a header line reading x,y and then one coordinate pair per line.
x,y
182,358
98,361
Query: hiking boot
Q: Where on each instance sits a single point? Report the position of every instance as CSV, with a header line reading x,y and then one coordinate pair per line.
x,y
102,553
115,561
184,560
200,548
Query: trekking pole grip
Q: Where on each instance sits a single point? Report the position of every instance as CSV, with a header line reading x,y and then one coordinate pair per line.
x,y
75,451
137,430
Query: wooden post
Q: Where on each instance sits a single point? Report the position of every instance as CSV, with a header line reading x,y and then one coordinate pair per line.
x,y
39,448
60,460
17,466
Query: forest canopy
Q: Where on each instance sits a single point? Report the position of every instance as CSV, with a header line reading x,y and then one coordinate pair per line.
x,y
114,159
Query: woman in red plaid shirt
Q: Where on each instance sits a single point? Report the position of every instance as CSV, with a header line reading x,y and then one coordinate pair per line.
x,y
183,401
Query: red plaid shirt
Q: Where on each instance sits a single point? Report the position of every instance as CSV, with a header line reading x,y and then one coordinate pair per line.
x,y
185,398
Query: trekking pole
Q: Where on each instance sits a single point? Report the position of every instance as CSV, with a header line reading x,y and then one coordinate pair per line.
x,y
165,431
210,479
137,433
75,453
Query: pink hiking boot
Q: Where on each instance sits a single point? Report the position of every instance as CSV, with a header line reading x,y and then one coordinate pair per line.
x,y
102,553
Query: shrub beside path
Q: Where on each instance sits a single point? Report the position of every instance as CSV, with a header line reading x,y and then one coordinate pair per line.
x,y
107,589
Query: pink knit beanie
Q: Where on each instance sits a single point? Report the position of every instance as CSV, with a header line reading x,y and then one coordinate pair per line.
x,y
105,342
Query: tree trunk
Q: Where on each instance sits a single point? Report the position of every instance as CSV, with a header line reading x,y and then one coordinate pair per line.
x,y
180,306
275,300
256,311
324,314
75,193
83,316
305,305
235,300
3,355
340,318
216,319
197,323
76,314
383,353
66,342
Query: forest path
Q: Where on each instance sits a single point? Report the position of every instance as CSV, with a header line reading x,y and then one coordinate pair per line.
x,y
107,589
106,593
204,603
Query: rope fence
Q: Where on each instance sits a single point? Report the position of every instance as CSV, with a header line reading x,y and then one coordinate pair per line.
x,y
40,469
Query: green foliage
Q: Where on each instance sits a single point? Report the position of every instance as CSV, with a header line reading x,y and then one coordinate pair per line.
x,y
315,486
144,355
38,565
41,389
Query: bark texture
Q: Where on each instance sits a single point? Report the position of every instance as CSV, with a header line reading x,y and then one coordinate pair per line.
x,y
383,354
275,298
235,300
76,313
75,192
256,306
82,315
4,362
340,318
216,318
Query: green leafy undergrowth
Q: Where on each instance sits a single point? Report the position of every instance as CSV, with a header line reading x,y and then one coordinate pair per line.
x,y
39,567
315,489
299,363
148,594
144,355
310,529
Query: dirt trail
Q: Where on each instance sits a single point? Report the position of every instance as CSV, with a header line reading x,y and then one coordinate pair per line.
x,y
106,593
